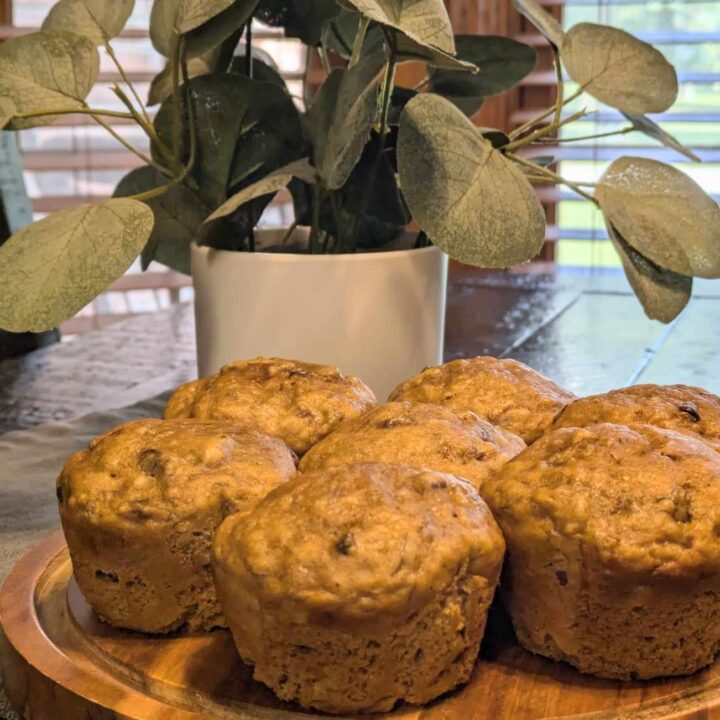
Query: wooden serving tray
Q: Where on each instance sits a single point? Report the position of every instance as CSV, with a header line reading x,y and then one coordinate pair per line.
x,y
61,663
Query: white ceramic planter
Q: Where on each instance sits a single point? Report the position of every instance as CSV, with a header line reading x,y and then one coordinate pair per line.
x,y
376,315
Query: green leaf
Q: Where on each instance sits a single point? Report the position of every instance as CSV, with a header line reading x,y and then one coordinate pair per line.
x,y
338,35
645,125
663,214
97,20
267,186
541,19
261,71
216,59
662,293
178,216
56,266
503,63
342,116
618,69
47,70
246,129
220,29
207,23
468,197
303,19
425,22
7,110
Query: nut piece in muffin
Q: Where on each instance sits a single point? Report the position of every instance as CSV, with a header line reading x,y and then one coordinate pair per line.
x,y
505,392
140,506
674,407
613,552
357,587
420,435
298,402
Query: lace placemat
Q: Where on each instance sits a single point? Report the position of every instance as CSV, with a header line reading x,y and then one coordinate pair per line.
x,y
30,461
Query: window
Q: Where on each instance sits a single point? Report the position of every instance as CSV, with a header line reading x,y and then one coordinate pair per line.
x,y
687,32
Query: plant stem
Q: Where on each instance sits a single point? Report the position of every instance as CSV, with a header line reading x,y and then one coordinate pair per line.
x,y
177,109
126,80
623,131
419,86
315,227
325,60
359,40
306,75
289,233
80,111
248,49
249,73
537,120
560,99
543,131
539,170
130,147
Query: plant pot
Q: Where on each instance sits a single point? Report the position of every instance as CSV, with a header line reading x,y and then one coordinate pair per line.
x,y
377,315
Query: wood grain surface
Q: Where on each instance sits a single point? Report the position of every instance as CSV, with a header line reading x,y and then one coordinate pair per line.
x,y
62,663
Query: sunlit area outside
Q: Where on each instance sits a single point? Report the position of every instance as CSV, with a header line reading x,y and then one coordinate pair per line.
x,y
688,34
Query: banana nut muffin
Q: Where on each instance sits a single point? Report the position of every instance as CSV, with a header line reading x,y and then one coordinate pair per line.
x,y
421,435
505,392
140,506
674,407
613,550
298,402
357,587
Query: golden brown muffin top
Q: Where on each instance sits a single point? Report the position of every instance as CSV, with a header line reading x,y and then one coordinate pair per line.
x,y
505,392
159,471
298,402
642,501
674,407
361,546
420,435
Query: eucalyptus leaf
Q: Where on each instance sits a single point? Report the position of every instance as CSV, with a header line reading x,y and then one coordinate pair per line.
x,y
97,20
206,22
338,35
216,59
503,63
244,127
303,19
662,293
7,110
409,50
262,71
472,201
619,69
650,128
56,266
51,70
342,116
268,185
425,22
178,216
663,214
541,19
220,29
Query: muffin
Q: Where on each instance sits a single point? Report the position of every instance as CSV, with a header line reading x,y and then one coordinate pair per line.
x,y
420,435
505,392
613,552
673,407
357,587
140,506
296,401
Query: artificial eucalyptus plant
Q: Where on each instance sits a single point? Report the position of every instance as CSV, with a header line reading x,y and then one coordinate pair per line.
x,y
365,160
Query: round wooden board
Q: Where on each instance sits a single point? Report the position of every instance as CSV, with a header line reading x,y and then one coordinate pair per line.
x,y
61,663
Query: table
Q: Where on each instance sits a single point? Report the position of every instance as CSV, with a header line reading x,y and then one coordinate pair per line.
x,y
587,333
